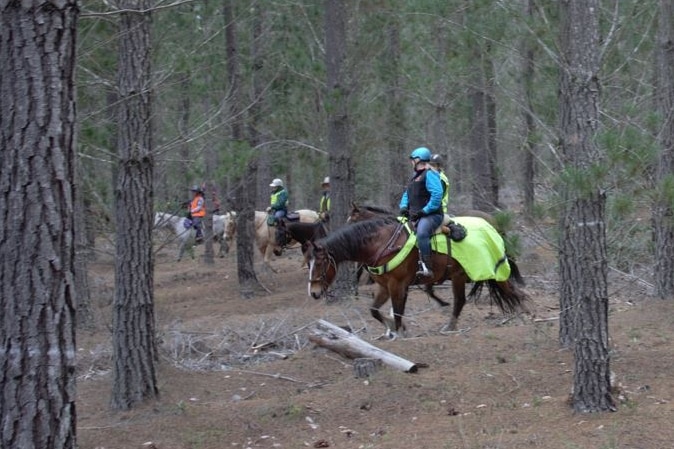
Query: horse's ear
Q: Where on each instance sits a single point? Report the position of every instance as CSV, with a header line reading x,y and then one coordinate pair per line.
x,y
354,205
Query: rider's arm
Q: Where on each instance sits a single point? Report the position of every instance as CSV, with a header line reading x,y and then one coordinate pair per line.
x,y
200,206
404,201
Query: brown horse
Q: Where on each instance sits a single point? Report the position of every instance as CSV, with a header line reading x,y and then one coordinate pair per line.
x,y
378,241
289,233
360,213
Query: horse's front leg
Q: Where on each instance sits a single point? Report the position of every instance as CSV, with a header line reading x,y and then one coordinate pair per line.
x,y
398,300
380,297
181,251
267,258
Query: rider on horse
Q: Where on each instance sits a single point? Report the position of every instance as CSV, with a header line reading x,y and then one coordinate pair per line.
x,y
437,165
278,208
422,202
197,211
324,206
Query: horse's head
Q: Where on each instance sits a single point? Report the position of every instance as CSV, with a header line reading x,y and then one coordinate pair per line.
x,y
354,215
282,236
322,269
362,213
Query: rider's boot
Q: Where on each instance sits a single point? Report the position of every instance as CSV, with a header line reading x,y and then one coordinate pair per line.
x,y
425,265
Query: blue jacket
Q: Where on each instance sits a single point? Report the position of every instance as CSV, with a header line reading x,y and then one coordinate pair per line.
x,y
434,188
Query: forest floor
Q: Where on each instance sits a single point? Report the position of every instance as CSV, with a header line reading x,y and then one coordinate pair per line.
x,y
241,373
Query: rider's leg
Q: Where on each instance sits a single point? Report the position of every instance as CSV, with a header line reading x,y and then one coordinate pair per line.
x,y
425,229
196,222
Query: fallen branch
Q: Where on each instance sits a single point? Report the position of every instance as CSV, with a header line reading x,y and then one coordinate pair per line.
x,y
347,344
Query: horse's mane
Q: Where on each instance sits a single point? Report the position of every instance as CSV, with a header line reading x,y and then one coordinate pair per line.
x,y
347,241
378,210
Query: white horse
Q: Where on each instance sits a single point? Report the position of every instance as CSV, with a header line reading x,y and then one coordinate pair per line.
x,y
224,228
265,236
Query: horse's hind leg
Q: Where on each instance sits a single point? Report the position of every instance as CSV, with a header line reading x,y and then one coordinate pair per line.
x,y
459,291
430,292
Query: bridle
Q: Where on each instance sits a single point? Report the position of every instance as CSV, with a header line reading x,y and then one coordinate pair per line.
x,y
322,279
287,238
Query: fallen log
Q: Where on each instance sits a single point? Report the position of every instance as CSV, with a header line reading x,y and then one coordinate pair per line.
x,y
347,344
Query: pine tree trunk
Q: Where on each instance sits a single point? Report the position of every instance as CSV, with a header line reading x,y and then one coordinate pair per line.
x,y
482,133
134,344
583,265
663,211
395,120
37,243
342,175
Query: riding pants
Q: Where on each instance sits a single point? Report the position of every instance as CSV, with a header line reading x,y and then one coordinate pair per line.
x,y
196,224
425,228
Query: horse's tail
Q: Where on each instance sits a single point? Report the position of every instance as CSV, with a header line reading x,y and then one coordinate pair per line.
x,y
504,295
515,273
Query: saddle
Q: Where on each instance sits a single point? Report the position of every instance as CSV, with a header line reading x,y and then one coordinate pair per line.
x,y
291,217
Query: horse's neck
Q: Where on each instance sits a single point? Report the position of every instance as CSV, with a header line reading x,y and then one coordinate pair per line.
x,y
170,221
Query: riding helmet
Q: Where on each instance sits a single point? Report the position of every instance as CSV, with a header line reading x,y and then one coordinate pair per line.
x,y
437,160
421,153
196,188
276,183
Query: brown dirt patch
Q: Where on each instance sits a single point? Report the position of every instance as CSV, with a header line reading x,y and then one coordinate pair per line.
x,y
503,383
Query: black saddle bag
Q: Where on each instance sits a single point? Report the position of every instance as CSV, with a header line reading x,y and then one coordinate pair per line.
x,y
457,232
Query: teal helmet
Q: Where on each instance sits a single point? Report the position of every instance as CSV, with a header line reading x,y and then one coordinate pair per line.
x,y
421,153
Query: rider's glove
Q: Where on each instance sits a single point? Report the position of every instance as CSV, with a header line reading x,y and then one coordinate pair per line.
x,y
404,212
417,215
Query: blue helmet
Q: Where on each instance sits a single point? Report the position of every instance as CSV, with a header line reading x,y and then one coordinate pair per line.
x,y
422,153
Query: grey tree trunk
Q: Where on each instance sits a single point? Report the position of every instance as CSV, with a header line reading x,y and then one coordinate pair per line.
x,y
342,175
38,295
396,118
529,167
245,191
582,258
133,339
85,313
663,209
482,133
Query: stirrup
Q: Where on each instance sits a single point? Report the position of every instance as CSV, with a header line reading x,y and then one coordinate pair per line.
x,y
424,271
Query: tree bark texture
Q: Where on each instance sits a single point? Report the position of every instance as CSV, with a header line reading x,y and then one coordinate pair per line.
x,y
342,175
37,246
663,211
134,344
482,133
394,158
582,259
529,166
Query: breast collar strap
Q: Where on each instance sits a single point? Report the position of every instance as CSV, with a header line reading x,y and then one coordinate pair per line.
x,y
402,254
